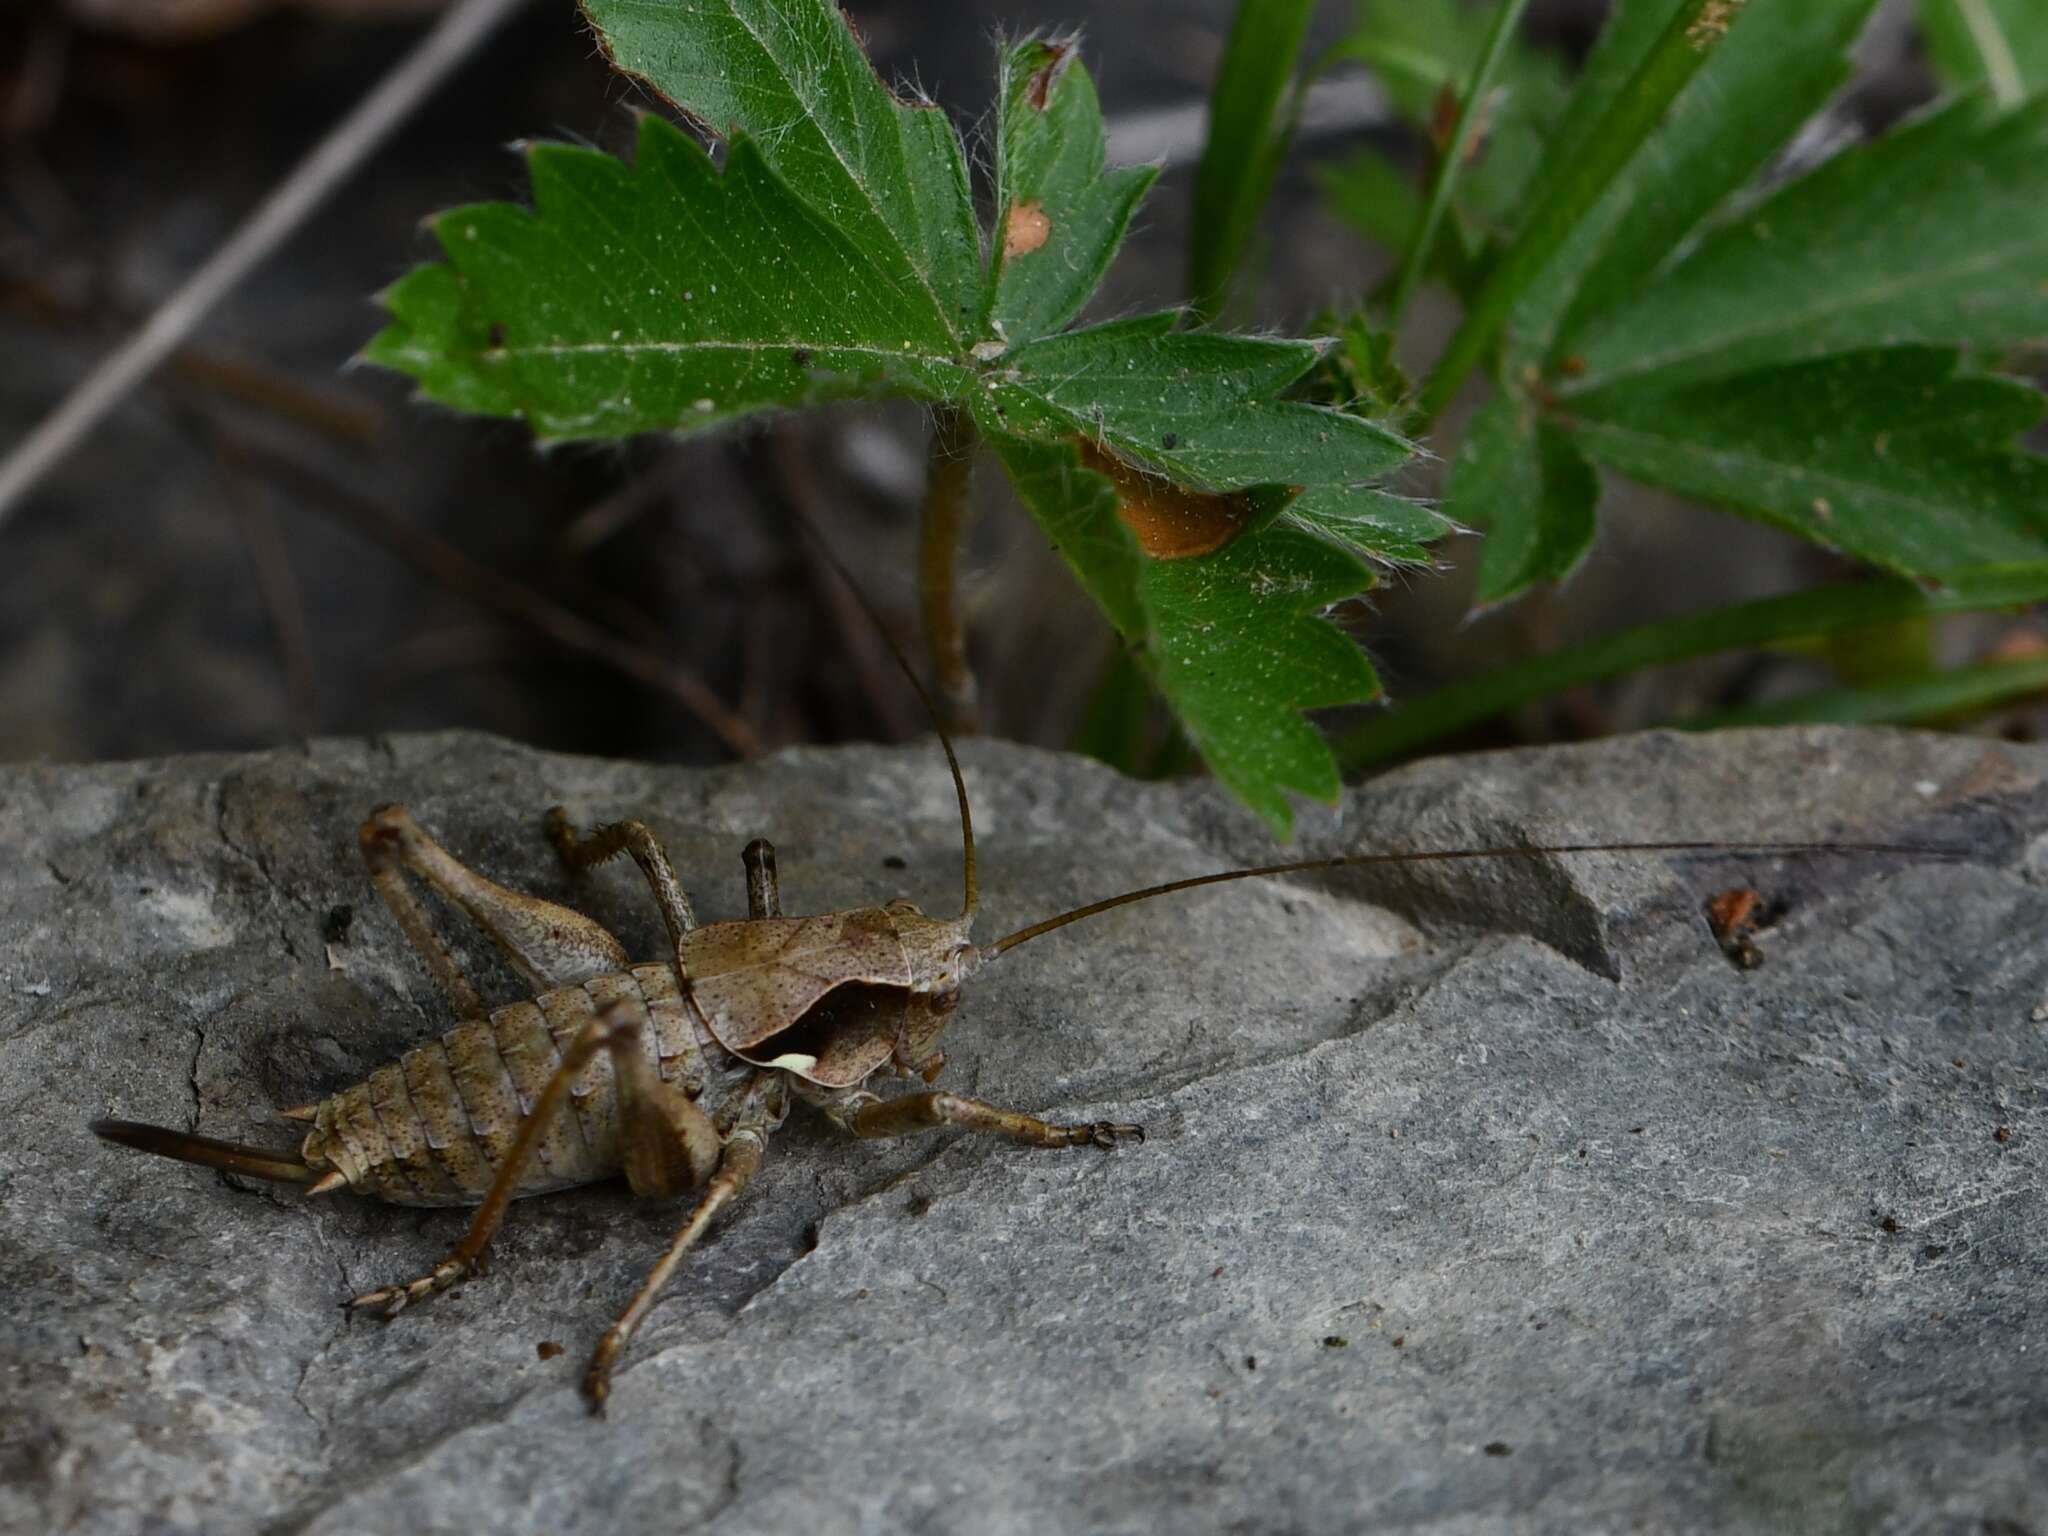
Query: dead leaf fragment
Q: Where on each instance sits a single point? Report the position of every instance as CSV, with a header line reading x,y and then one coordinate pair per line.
x,y
1025,229
1172,521
1736,917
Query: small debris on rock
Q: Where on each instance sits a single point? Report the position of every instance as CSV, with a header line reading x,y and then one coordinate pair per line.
x,y
1335,1341
339,920
1890,1224
1736,916
547,1349
1499,1448
2002,1135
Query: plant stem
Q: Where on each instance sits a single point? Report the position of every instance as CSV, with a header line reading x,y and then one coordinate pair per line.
x,y
1636,110
1909,700
949,474
1248,132
1451,163
1403,729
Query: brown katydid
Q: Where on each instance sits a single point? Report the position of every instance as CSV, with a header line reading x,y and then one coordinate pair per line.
x,y
674,1074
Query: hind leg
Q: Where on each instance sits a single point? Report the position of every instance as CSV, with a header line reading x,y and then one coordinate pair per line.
x,y
548,945
739,1162
667,1145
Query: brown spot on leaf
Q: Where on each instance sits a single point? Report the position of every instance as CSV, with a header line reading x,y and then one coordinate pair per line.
x,y
1053,60
1172,521
1025,229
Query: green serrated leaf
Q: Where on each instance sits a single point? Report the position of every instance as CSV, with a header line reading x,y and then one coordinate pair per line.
x,y
1394,530
1192,405
1061,215
2001,45
1934,234
1077,510
1234,640
658,296
1887,455
1242,648
1524,482
834,256
794,78
1774,70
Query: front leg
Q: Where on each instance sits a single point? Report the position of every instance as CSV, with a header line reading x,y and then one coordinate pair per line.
x,y
864,1115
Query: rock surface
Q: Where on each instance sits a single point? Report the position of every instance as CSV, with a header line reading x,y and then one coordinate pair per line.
x,y
1490,1198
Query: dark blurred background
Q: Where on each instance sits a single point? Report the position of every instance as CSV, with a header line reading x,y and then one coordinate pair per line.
x,y
264,544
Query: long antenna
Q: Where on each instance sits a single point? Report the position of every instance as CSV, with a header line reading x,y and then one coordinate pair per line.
x,y
1430,856
970,895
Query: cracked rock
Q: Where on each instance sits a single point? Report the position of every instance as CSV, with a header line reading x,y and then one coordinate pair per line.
x,y
1477,1197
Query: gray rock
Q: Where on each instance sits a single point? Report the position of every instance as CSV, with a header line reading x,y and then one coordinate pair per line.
x,y
1484,1198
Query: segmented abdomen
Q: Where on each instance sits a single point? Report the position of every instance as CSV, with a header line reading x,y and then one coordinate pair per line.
x,y
432,1127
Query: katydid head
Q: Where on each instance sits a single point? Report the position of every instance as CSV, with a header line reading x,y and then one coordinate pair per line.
x,y
940,953
941,958
902,973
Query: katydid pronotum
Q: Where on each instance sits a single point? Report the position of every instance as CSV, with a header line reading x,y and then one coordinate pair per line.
x,y
675,1073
